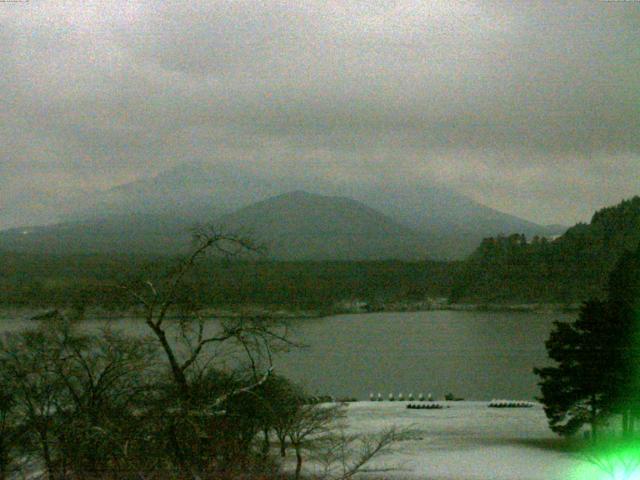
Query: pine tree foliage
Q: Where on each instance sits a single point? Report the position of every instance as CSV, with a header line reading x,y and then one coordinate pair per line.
x,y
569,269
573,390
597,357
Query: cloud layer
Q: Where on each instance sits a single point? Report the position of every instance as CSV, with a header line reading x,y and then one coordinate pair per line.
x,y
533,109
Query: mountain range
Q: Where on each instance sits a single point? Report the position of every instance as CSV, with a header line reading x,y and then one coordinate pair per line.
x,y
321,222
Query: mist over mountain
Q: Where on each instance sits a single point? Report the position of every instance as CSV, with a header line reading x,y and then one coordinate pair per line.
x,y
189,189
293,226
448,224
454,224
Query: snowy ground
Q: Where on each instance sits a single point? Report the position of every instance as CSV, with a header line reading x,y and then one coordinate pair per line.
x,y
470,441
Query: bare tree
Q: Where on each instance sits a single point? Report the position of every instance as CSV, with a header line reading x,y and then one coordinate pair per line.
x,y
10,432
96,405
28,362
309,424
191,357
342,455
258,332
72,395
103,376
318,432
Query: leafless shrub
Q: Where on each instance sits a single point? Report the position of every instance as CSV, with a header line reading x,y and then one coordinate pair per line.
x,y
341,455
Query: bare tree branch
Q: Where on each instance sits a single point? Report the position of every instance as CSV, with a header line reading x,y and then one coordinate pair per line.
x,y
223,398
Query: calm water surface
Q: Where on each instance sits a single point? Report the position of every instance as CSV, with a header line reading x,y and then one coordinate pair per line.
x,y
474,355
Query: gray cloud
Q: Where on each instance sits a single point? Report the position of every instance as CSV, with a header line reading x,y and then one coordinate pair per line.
x,y
532,109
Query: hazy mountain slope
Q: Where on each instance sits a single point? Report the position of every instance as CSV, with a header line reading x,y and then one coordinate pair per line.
x,y
158,234
294,226
187,189
301,225
451,224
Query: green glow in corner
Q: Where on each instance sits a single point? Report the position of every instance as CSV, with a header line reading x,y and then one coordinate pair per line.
x,y
610,461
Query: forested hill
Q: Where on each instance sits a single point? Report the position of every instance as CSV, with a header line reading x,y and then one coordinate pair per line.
x,y
569,269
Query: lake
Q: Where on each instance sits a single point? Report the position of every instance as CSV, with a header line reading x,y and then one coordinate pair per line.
x,y
474,355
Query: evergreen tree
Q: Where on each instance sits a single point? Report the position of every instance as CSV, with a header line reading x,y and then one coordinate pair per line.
x,y
573,391
624,324
597,357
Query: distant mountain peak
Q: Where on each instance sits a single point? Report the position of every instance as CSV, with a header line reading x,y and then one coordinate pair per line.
x,y
450,225
309,226
293,194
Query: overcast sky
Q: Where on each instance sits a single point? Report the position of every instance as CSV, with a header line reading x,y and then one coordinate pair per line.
x,y
532,108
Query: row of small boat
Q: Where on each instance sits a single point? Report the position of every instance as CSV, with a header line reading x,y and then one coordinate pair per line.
x,y
425,406
509,404
400,398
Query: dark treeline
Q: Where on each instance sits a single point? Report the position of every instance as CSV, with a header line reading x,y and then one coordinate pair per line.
x,y
69,281
503,269
571,268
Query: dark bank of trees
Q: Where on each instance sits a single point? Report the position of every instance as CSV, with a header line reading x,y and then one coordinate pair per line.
x,y
597,359
190,400
77,281
571,268
503,269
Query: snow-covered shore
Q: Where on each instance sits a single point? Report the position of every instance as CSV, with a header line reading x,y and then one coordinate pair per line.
x,y
469,441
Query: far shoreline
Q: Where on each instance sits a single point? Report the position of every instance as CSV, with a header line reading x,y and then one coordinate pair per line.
x,y
353,308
